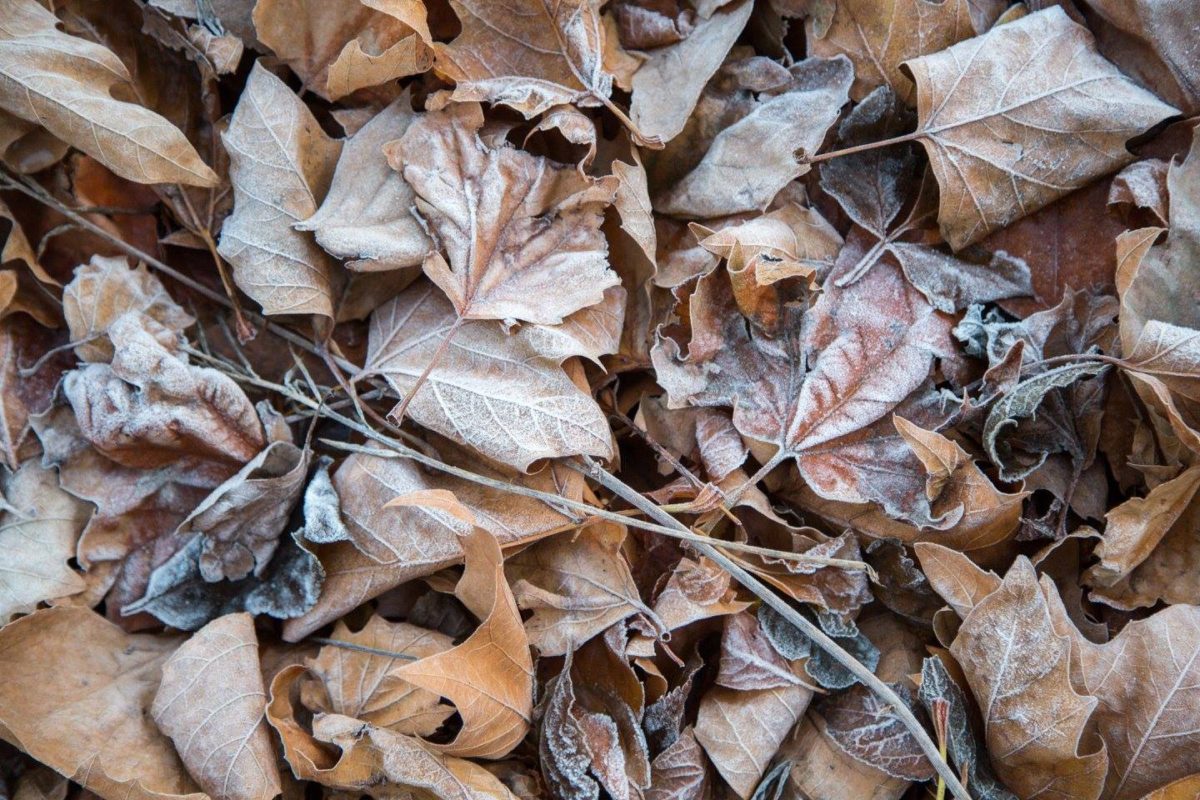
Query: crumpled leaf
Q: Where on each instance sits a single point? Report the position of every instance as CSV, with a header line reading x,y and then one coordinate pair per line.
x,y
149,407
1060,119
281,165
530,56
577,586
488,389
489,677
77,696
879,37
107,288
522,233
1018,667
39,528
364,685
751,160
393,545
740,731
63,83
210,703
366,215
793,644
679,771
341,46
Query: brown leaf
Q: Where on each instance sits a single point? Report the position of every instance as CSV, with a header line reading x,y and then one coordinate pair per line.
x,y
754,158
281,164
741,731
366,215
987,144
107,288
530,56
576,585
489,677
680,772
364,685
748,660
393,545
522,233
39,530
955,577
341,46
77,696
149,407
879,37
869,730
63,83
488,389
211,702
1018,668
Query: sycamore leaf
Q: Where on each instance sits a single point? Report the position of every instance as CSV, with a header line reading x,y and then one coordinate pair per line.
x,y
531,55
879,37
39,529
340,46
281,164
741,731
364,685
521,232
1004,147
1018,668
488,389
62,83
107,288
576,585
489,677
77,695
366,216
211,702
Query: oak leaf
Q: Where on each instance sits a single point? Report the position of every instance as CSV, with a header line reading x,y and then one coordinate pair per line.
x,y
63,83
990,146
211,702
521,232
281,165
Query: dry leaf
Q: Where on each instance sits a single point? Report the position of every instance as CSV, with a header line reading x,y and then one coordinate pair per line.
x,y
281,165
211,702
63,83
989,144
522,233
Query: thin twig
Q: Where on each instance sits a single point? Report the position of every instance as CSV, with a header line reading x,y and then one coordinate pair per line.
x,y
590,468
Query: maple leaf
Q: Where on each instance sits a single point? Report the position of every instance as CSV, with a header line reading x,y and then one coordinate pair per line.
x,y
63,82
987,148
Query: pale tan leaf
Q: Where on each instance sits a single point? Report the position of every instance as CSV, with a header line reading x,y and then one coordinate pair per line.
x,y
1018,668
1021,116
521,232
488,389
211,703
393,545
364,685
632,202
577,586
955,577
340,46
107,288
879,36
38,533
489,677
741,731
281,164
76,696
367,214
62,83
530,55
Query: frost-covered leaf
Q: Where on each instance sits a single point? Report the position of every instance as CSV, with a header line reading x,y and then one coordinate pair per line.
x,y
211,702
867,728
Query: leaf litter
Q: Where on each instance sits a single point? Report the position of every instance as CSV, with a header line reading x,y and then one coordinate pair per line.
x,y
579,399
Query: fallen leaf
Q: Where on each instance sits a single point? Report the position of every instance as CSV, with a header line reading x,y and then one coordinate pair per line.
x,y
987,145
63,83
281,165
211,702
868,729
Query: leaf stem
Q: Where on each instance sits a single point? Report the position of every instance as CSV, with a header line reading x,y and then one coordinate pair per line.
x,y
859,148
361,648
398,414
590,468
